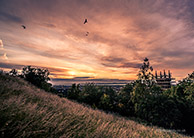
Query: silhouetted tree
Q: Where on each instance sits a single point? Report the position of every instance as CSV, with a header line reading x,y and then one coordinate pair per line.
x,y
124,104
37,76
90,94
1,71
145,73
73,92
13,72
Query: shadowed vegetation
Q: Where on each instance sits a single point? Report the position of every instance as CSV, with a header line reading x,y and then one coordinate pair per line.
x,y
144,99
26,111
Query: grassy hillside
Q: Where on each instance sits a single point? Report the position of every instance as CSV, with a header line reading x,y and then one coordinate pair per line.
x,y
26,111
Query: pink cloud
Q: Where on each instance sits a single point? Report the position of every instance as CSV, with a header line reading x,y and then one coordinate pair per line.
x,y
121,34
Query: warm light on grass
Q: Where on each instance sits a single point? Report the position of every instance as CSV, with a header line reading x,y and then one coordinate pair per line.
x,y
26,111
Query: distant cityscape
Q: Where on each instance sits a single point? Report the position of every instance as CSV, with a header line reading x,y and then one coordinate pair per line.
x,y
83,80
62,86
164,80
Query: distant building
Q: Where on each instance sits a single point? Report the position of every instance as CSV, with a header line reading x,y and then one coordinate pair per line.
x,y
165,81
61,89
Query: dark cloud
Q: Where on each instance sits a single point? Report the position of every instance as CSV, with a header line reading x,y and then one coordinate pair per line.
x,y
179,63
73,79
158,29
49,25
109,65
130,72
44,51
82,77
130,65
10,66
85,79
51,69
7,17
123,65
109,61
57,70
69,82
191,9
112,59
116,62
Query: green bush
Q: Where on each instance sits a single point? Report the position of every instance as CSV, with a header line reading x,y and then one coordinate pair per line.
x,y
159,110
73,93
36,76
124,103
173,108
90,94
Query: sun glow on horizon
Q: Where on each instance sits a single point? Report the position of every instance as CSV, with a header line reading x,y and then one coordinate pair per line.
x,y
111,45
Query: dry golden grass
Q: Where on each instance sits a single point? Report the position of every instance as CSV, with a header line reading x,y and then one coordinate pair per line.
x,y
26,111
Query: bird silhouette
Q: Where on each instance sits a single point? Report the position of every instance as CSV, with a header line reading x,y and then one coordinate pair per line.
x,y
24,27
87,33
86,21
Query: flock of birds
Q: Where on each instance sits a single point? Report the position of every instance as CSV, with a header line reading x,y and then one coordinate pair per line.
x,y
85,21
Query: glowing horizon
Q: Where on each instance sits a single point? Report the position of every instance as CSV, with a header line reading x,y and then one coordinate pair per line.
x,y
121,34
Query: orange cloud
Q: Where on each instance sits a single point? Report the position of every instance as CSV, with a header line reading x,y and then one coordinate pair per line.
x,y
4,57
1,43
121,34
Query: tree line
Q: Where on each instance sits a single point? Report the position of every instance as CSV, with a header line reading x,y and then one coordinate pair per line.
x,y
36,76
172,108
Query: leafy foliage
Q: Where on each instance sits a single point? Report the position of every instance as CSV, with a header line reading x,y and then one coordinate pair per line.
x,y
173,108
13,72
73,93
37,76
26,111
145,73
125,105
90,94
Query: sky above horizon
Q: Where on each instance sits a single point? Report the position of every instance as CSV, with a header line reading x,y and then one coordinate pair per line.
x,y
121,34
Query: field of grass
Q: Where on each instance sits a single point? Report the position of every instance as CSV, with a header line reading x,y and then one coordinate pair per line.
x,y
26,111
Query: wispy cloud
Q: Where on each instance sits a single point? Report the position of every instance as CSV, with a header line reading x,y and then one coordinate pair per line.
x,y
82,80
1,43
7,17
121,34
10,66
3,54
4,57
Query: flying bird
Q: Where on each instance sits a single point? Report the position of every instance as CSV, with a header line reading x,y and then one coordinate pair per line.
x,y
86,21
87,33
24,27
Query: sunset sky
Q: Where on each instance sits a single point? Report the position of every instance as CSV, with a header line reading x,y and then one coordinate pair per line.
x,y
121,34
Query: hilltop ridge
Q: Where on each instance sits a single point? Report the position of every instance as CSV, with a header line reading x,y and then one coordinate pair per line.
x,y
26,111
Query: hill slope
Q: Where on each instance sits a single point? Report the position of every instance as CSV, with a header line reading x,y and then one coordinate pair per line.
x,y
26,111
